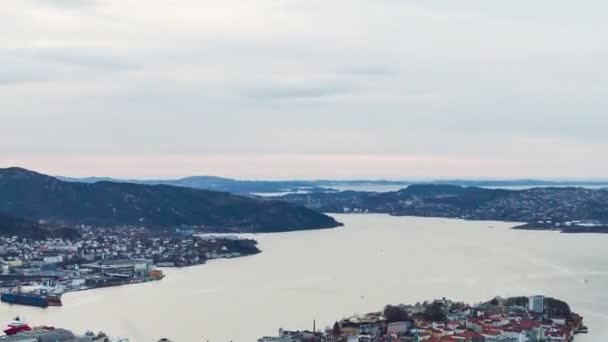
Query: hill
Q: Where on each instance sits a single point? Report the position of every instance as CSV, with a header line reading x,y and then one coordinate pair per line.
x,y
473,203
14,226
40,197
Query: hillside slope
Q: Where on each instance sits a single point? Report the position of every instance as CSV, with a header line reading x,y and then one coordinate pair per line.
x,y
32,195
554,204
14,226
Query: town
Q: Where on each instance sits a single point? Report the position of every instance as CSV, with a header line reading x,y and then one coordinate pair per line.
x,y
570,210
38,272
517,319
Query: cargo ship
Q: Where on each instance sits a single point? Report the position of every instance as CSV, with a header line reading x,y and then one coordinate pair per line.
x,y
40,300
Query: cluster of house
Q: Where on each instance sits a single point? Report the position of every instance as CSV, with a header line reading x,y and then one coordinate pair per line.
x,y
180,248
107,256
454,322
170,249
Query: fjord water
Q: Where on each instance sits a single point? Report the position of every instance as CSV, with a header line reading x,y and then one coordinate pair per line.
x,y
327,274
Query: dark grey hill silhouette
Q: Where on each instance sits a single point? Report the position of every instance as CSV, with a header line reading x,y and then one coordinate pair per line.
x,y
315,186
15,226
38,197
218,184
553,204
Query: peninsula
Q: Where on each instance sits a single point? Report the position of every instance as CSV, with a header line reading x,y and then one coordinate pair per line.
x,y
516,319
36,272
572,210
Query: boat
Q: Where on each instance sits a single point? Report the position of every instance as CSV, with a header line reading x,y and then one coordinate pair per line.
x,y
30,299
41,299
16,326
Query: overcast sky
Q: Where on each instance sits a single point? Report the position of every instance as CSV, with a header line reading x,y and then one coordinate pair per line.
x,y
305,88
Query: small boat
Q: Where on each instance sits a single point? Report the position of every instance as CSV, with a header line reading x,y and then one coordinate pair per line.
x,y
16,326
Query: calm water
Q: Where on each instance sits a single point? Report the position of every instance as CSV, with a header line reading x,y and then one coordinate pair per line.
x,y
324,275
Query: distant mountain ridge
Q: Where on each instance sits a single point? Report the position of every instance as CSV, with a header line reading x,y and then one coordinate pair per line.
x,y
36,196
214,183
253,187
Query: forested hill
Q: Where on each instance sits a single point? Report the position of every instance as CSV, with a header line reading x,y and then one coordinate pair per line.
x,y
531,205
37,197
14,226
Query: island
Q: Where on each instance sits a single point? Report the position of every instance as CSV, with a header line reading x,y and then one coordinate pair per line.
x,y
567,226
516,319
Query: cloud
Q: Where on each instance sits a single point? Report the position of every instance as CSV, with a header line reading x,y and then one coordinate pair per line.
x,y
34,65
66,3
297,92
94,59
21,70
308,77
11,78
382,71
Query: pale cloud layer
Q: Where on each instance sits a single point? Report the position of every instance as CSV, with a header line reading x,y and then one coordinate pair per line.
x,y
305,89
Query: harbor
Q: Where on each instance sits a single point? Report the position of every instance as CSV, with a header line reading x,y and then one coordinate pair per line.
x,y
38,272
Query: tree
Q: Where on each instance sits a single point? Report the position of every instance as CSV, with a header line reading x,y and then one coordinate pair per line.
x,y
336,329
434,312
518,301
395,314
557,308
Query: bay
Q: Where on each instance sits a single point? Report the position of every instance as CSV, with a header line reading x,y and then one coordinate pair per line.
x,y
325,275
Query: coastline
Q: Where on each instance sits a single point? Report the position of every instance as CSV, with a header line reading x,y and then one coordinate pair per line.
x,y
304,270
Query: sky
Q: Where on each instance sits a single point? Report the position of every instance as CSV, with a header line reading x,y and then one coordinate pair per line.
x,y
284,89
